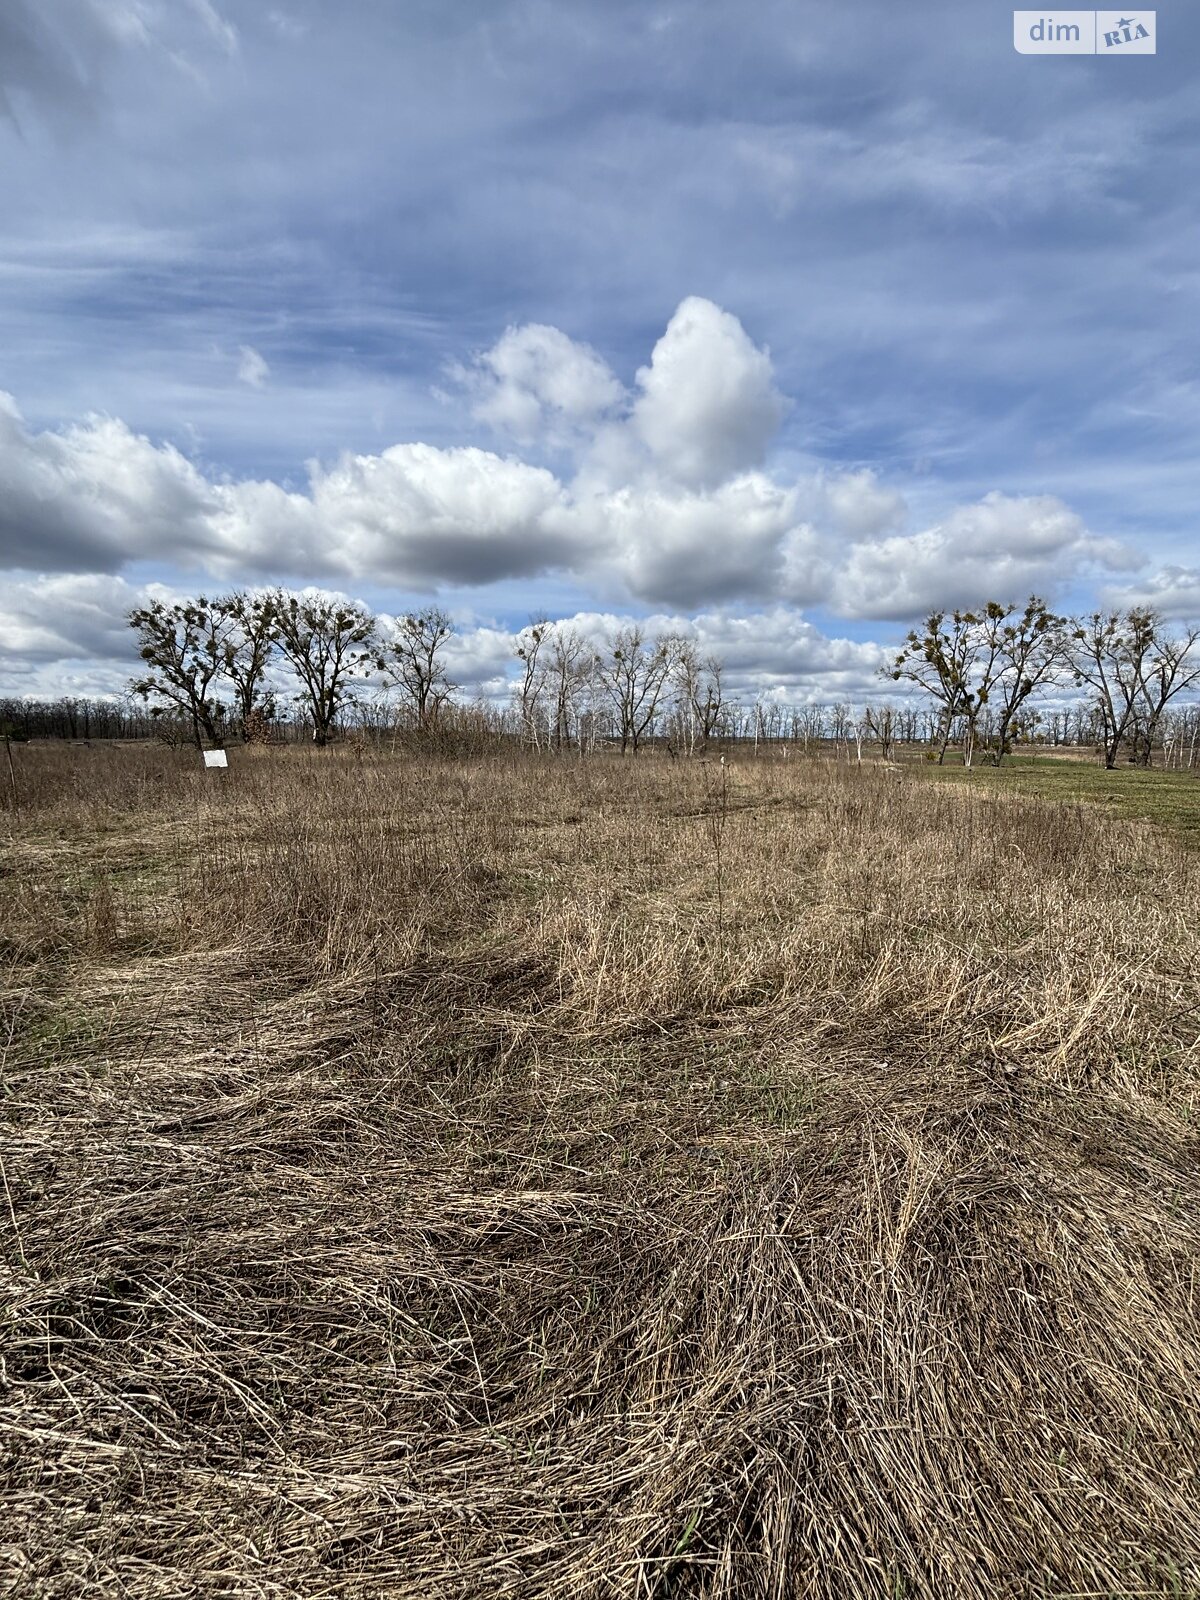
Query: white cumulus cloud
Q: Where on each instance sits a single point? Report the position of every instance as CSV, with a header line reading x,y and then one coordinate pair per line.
x,y
70,616
708,407
96,495
665,500
1002,547
536,383
1173,591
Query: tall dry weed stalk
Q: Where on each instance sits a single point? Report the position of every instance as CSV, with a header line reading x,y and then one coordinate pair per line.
x,y
718,815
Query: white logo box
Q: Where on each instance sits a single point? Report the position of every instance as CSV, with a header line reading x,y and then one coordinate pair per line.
x,y
1085,33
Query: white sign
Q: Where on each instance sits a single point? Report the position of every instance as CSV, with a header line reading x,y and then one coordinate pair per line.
x,y
1085,33
215,758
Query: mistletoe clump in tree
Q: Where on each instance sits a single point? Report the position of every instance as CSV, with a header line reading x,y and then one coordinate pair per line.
x,y
328,643
989,661
416,666
183,647
194,647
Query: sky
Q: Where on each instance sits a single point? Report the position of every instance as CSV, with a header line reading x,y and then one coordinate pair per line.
x,y
785,323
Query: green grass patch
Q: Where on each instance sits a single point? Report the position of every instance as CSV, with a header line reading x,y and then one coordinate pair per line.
x,y
49,1033
1170,800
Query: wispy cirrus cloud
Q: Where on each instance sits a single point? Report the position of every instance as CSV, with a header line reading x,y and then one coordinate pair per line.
x,y
252,367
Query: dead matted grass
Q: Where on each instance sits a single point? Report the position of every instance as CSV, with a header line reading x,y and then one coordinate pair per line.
x,y
444,1179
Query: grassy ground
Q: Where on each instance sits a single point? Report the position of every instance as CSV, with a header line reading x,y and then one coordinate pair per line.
x,y
1168,799
511,1178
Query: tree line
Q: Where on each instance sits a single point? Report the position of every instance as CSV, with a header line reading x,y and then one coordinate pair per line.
x,y
212,664
277,664
983,668
633,687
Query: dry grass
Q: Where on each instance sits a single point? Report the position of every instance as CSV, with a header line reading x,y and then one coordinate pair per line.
x,y
416,1185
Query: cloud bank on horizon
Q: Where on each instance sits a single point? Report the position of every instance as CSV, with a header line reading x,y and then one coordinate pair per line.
x,y
214,379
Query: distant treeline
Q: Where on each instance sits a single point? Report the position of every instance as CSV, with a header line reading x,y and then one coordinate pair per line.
x,y
77,717
841,728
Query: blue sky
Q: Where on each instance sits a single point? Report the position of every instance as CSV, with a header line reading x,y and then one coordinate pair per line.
x,y
790,320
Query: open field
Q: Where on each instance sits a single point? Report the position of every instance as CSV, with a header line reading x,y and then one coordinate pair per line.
x,y
535,1179
1147,794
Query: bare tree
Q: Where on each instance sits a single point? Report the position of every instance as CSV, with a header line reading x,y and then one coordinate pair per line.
x,y
839,727
686,677
1181,737
1165,671
880,724
566,671
248,646
813,724
1109,653
940,660
529,691
698,683
634,674
328,644
416,665
184,648
1020,653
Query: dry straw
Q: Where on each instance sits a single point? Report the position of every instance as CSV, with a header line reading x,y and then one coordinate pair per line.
x,y
414,1187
